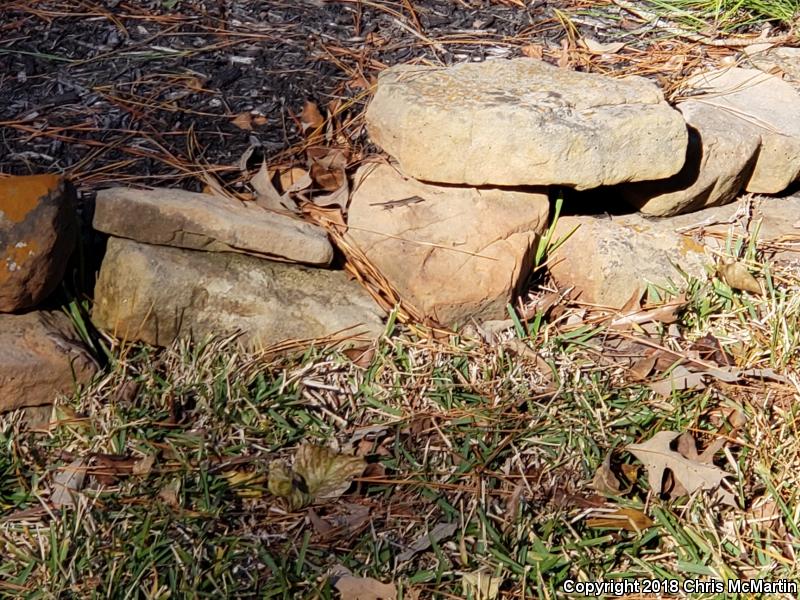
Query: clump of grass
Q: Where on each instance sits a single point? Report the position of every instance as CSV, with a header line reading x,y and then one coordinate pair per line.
x,y
727,15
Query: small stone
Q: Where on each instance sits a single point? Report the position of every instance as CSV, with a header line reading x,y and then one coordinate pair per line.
x,y
755,103
719,161
171,217
156,294
524,122
451,252
38,231
41,357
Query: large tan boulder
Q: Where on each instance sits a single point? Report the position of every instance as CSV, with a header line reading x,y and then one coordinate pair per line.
x,y
451,252
38,231
719,162
158,293
524,122
172,217
41,357
756,103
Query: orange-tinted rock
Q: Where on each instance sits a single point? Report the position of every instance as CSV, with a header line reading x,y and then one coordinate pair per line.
x,y
38,229
41,357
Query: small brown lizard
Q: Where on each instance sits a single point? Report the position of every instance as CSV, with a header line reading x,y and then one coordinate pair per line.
x,y
402,202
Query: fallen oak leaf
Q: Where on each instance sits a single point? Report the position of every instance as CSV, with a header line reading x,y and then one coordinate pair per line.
x,y
657,456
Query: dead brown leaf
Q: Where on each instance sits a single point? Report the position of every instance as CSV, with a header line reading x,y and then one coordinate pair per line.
x,y
533,51
311,120
604,480
361,588
657,456
243,120
737,276
267,196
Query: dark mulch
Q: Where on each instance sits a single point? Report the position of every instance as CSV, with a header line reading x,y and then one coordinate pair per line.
x,y
146,92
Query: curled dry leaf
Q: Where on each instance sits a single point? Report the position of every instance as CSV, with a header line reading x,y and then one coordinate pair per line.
x,y
311,120
604,480
266,195
360,588
738,277
319,474
657,456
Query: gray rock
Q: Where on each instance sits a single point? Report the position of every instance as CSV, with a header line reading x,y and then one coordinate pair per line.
x,y
171,217
451,252
756,103
158,293
719,162
524,122
41,357
38,230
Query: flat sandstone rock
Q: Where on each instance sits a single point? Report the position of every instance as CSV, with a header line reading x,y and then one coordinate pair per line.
x,y
524,122
719,162
451,252
753,101
171,217
158,293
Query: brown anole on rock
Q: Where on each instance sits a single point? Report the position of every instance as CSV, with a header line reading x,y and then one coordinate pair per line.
x,y
389,205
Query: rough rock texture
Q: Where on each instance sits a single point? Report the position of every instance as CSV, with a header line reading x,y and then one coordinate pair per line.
x,y
609,260
719,161
524,122
40,358
776,220
183,219
38,229
157,293
451,252
776,61
754,101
